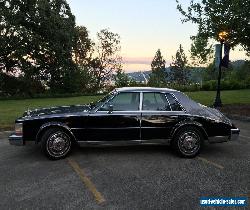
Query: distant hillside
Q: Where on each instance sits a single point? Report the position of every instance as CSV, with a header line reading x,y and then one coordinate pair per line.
x,y
195,75
237,63
142,77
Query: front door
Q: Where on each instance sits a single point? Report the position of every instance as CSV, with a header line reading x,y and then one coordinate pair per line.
x,y
120,124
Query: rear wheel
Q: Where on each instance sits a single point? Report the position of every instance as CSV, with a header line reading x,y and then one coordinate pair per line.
x,y
56,143
188,141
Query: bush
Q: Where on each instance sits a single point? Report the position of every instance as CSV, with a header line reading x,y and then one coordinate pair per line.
x,y
186,88
209,85
226,85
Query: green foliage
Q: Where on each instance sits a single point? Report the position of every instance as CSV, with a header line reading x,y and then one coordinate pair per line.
x,y
214,16
42,48
158,76
83,47
233,78
106,58
10,86
179,70
36,41
121,79
185,88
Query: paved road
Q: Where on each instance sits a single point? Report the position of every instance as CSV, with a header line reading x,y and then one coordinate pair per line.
x,y
151,177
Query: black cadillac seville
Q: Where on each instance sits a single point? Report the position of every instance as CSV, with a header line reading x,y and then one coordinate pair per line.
x,y
126,116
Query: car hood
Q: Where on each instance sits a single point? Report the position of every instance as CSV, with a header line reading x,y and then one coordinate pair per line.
x,y
57,110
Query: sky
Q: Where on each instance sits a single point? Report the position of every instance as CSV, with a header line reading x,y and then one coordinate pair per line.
x,y
143,25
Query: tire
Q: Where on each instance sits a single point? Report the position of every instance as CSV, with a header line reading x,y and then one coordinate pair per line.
x,y
188,141
56,143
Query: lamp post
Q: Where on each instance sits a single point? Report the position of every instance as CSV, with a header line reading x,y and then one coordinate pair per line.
x,y
222,37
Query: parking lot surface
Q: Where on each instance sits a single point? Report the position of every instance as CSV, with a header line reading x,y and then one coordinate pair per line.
x,y
139,177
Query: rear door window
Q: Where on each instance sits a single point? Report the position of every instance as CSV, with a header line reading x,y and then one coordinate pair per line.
x,y
155,102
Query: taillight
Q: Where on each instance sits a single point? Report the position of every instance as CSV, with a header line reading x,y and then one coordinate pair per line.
x,y
19,129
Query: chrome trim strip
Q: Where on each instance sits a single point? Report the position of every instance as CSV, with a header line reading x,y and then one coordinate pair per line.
x,y
143,111
141,99
125,142
105,128
53,123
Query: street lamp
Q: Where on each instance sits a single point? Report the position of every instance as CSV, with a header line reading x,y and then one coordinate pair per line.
x,y
222,38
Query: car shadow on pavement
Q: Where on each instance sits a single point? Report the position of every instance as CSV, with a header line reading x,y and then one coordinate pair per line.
x,y
116,150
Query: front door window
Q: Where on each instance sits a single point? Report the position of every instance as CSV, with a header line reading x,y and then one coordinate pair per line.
x,y
123,101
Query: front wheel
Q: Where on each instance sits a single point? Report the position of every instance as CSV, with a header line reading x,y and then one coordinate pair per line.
x,y
188,141
56,143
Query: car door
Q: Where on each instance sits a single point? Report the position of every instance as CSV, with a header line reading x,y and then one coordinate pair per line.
x,y
160,112
120,124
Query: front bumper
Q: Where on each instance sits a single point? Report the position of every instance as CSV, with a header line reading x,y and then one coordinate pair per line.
x,y
234,135
16,140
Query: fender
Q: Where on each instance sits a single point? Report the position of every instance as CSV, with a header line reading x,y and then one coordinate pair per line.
x,y
53,124
185,123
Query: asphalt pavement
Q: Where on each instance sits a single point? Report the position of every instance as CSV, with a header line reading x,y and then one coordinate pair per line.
x,y
138,177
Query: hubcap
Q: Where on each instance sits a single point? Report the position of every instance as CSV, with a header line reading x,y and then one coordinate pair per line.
x,y
189,142
58,144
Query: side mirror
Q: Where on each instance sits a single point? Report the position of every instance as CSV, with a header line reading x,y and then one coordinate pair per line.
x,y
110,108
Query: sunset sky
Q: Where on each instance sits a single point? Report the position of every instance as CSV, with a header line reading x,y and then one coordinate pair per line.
x,y
144,27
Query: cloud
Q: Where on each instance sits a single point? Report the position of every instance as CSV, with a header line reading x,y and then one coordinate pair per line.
x,y
140,60
137,60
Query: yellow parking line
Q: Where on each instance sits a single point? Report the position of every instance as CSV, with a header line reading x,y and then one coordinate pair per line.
x,y
245,195
211,162
90,185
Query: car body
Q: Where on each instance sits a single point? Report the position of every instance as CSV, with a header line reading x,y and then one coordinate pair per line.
x,y
126,116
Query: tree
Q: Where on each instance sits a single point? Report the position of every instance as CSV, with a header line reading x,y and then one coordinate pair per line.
x,y
36,42
179,70
106,58
214,16
83,47
122,79
158,76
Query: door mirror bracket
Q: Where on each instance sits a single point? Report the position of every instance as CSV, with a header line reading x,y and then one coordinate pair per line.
x,y
110,108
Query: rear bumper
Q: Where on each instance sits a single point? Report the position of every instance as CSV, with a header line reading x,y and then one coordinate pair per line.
x,y
16,140
234,135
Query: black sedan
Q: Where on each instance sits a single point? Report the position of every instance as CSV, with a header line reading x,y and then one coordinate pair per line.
x,y
126,116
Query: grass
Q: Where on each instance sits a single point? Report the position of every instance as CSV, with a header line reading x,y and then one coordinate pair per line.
x,y
11,109
227,96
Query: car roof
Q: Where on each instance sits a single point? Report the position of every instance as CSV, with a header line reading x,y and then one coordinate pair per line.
x,y
146,89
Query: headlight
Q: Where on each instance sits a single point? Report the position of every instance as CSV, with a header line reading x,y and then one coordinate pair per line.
x,y
19,129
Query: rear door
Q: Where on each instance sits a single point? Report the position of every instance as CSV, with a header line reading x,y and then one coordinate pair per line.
x,y
160,112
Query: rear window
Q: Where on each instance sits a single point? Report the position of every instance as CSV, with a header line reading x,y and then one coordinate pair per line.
x,y
175,106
